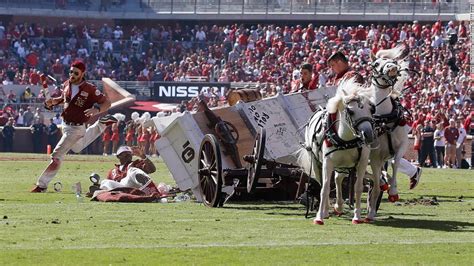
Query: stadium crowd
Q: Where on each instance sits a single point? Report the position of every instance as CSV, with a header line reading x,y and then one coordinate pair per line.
x,y
267,55
259,53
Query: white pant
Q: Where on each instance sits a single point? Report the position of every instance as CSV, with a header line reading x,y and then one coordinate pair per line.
x,y
129,181
74,138
407,168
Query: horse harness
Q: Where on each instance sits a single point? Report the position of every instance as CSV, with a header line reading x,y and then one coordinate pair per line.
x,y
326,123
395,118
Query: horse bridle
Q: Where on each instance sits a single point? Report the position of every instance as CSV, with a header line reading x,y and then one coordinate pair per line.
x,y
376,74
353,124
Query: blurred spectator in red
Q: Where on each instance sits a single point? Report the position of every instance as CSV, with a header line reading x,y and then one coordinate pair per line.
x,y
451,135
106,139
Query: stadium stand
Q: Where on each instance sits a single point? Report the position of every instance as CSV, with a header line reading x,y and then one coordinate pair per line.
x,y
265,55
335,10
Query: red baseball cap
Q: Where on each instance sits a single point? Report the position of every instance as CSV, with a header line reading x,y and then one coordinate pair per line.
x,y
79,65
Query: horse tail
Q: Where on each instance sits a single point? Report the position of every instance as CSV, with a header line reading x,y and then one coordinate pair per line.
x,y
303,159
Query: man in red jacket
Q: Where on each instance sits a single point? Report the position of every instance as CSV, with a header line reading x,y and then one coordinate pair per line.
x,y
81,100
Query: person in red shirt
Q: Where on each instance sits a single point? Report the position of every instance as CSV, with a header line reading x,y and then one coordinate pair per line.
x,y
82,101
153,138
131,173
130,133
307,80
144,139
106,139
340,66
310,34
451,135
462,30
58,70
416,28
361,34
115,138
34,77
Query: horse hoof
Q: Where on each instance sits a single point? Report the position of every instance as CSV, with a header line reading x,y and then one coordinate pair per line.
x,y
338,213
384,187
315,221
393,198
368,220
357,221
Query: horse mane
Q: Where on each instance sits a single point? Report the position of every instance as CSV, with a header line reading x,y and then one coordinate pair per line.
x,y
399,54
347,90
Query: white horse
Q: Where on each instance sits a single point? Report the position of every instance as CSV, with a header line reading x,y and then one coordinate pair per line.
x,y
388,76
339,141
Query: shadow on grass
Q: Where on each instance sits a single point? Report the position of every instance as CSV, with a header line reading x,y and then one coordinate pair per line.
x,y
436,225
265,206
405,214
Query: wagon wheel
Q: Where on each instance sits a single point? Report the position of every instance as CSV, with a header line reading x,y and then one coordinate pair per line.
x,y
257,158
210,171
230,129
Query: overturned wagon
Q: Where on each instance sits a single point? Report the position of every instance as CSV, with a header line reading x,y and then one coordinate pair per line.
x,y
243,150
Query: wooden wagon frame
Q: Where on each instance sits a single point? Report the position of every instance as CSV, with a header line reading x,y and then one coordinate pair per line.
x,y
202,149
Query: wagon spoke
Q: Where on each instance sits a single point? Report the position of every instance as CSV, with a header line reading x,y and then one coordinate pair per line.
x,y
205,156
207,187
211,190
207,191
203,182
204,160
214,178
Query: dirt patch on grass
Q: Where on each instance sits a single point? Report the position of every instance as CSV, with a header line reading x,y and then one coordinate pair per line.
x,y
423,201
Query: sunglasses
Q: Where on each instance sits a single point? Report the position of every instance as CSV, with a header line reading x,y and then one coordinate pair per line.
x,y
76,73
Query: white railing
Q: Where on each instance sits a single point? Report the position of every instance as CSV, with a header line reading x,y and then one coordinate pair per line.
x,y
408,7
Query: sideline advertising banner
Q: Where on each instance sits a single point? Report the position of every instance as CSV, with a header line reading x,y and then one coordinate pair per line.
x,y
175,92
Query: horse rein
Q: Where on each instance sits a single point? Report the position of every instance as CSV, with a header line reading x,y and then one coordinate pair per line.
x,y
385,77
354,124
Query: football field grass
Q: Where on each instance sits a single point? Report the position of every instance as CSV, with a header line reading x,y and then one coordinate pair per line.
x,y
55,229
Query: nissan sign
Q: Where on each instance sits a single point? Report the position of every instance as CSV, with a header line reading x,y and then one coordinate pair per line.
x,y
175,92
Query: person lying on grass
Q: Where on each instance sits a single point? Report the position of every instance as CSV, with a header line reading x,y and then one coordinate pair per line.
x,y
131,173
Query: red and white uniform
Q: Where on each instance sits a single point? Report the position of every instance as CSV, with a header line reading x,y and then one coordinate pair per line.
x,y
346,75
133,174
107,135
144,137
130,133
115,134
120,171
77,99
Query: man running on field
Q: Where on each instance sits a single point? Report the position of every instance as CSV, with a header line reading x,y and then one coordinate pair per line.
x,y
82,100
